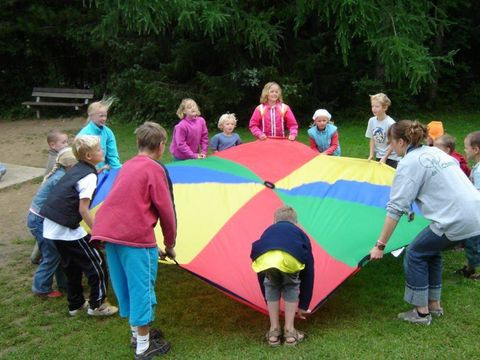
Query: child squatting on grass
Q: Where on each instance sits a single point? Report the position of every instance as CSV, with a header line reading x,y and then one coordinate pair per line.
x,y
283,259
144,188
66,206
433,180
227,138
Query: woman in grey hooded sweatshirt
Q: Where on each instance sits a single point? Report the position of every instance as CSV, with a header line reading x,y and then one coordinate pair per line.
x,y
434,181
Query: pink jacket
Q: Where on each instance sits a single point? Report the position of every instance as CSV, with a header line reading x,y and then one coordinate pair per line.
x,y
190,138
273,121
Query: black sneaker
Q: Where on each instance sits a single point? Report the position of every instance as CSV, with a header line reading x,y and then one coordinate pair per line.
x,y
465,271
157,347
154,334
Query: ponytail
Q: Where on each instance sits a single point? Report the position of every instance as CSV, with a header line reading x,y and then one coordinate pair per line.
x,y
65,159
412,132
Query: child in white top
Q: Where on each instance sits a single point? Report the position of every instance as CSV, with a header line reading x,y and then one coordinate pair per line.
x,y
66,205
377,130
227,138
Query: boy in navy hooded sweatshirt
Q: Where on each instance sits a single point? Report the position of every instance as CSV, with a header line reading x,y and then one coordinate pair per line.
x,y
283,259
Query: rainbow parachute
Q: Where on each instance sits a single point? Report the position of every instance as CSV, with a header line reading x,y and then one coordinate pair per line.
x,y
226,201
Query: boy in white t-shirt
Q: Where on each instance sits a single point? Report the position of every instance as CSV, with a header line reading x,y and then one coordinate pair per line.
x,y
66,206
377,130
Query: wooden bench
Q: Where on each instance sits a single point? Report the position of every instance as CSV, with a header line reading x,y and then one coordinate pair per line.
x,y
77,98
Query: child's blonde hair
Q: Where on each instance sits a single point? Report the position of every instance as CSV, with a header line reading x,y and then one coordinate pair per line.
x,y
266,88
382,99
224,118
65,159
83,144
181,109
286,213
53,135
474,139
150,135
104,103
447,140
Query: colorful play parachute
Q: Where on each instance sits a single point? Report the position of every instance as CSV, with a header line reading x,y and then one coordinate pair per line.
x,y
226,201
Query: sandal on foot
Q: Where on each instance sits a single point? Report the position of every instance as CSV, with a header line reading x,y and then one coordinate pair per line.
x,y
294,334
273,337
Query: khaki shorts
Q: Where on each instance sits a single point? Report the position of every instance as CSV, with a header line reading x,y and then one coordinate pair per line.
x,y
277,283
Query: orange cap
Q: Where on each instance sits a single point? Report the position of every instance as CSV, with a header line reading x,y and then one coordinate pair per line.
x,y
435,129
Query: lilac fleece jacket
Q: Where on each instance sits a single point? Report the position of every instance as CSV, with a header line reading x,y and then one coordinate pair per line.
x,y
190,137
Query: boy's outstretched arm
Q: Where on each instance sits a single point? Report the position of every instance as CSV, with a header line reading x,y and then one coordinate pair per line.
x,y
307,277
163,202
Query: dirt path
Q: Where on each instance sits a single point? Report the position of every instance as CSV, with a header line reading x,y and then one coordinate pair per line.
x,y
24,143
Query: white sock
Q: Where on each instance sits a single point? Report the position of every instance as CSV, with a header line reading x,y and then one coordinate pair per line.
x,y
142,343
134,331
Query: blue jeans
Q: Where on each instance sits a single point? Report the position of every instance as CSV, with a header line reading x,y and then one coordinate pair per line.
x,y
472,251
423,267
50,264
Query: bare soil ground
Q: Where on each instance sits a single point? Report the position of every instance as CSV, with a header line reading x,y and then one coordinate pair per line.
x,y
24,143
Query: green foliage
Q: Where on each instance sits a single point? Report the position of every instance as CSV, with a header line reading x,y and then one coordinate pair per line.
x,y
221,52
142,96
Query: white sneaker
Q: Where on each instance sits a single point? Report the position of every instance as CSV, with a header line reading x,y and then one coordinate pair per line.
x,y
76,311
103,310
413,317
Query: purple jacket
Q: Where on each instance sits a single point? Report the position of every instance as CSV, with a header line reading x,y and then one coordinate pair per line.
x,y
190,138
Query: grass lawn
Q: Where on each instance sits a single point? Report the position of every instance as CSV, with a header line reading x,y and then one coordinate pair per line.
x,y
357,322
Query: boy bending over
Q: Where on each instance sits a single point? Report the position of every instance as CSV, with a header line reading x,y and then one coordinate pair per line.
x,y
283,259
139,198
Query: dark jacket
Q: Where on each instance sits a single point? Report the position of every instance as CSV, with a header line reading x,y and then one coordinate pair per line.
x,y
288,237
63,202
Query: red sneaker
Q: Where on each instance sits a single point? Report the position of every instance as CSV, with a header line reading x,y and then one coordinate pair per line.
x,y
54,294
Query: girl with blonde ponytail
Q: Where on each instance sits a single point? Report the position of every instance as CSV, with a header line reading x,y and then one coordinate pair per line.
x,y
433,180
50,261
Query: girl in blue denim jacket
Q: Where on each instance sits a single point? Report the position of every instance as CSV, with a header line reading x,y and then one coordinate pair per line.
x,y
49,264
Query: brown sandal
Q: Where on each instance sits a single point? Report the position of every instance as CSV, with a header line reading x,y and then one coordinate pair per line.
x,y
297,336
275,335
